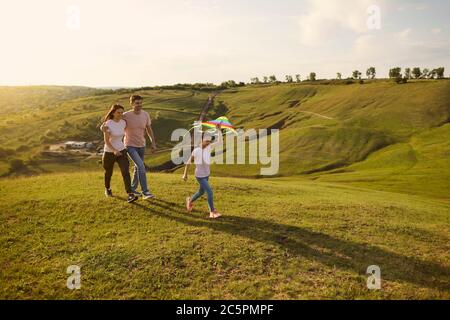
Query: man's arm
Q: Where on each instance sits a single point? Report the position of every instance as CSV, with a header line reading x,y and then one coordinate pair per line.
x,y
151,136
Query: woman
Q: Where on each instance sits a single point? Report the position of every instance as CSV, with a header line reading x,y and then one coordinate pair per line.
x,y
113,132
202,159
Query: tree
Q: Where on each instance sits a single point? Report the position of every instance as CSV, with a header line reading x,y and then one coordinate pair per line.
x,y
395,73
440,72
416,73
312,76
255,80
339,76
17,165
298,78
371,73
265,79
426,73
289,78
433,74
356,74
408,73
272,79
229,84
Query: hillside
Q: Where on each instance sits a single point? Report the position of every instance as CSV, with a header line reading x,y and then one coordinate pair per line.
x,y
364,134
32,98
278,239
24,135
379,134
364,180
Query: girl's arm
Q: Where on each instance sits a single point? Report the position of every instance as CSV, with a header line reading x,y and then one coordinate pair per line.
x,y
187,167
106,137
219,137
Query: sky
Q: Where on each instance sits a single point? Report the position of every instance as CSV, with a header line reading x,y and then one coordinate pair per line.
x,y
132,43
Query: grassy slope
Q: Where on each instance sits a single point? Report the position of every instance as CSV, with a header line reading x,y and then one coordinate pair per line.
x,y
421,165
79,119
20,99
169,109
362,130
380,134
282,238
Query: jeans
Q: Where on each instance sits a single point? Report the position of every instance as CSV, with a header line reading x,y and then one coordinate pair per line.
x,y
139,175
108,160
204,187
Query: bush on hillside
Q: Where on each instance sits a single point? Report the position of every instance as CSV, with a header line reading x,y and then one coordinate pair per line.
x,y
6,152
17,165
22,148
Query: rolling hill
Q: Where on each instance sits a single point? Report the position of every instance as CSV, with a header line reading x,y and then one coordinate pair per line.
x,y
278,239
379,134
364,180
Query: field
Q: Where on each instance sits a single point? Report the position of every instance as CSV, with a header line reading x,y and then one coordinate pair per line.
x,y
278,239
364,180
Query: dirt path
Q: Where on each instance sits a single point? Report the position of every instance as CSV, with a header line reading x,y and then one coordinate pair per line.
x,y
316,114
208,104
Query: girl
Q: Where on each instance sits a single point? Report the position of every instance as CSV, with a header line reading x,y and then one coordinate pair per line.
x,y
202,159
113,132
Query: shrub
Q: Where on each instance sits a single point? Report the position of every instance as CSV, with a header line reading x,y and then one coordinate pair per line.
x,y
17,165
23,148
6,152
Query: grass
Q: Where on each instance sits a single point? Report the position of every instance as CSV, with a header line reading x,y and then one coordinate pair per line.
x,y
364,179
379,135
79,118
287,238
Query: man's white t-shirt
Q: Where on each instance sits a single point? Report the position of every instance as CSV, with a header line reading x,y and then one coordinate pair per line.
x,y
202,160
116,132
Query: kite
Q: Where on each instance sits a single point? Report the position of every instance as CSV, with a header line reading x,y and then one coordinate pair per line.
x,y
211,125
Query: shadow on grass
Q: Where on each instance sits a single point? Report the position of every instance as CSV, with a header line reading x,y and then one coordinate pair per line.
x,y
330,251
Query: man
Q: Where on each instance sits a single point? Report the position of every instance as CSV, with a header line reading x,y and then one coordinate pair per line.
x,y
138,126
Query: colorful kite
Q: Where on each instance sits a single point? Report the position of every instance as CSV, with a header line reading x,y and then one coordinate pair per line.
x,y
223,121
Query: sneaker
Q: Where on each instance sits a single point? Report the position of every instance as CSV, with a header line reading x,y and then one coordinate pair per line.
x,y
132,197
137,193
214,214
189,204
108,193
147,195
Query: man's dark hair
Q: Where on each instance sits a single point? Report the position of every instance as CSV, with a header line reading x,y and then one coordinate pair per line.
x,y
134,98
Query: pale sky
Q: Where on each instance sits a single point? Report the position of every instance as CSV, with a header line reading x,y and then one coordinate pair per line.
x,y
152,42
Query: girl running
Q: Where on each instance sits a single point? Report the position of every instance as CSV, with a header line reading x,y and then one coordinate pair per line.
x,y
202,159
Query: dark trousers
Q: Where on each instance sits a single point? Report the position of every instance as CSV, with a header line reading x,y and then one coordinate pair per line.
x,y
108,160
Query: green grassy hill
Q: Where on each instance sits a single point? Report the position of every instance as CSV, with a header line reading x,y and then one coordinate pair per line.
x,y
376,134
282,238
364,179
379,134
32,98
24,135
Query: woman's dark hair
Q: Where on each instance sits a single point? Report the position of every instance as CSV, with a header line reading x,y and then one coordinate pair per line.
x,y
111,112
